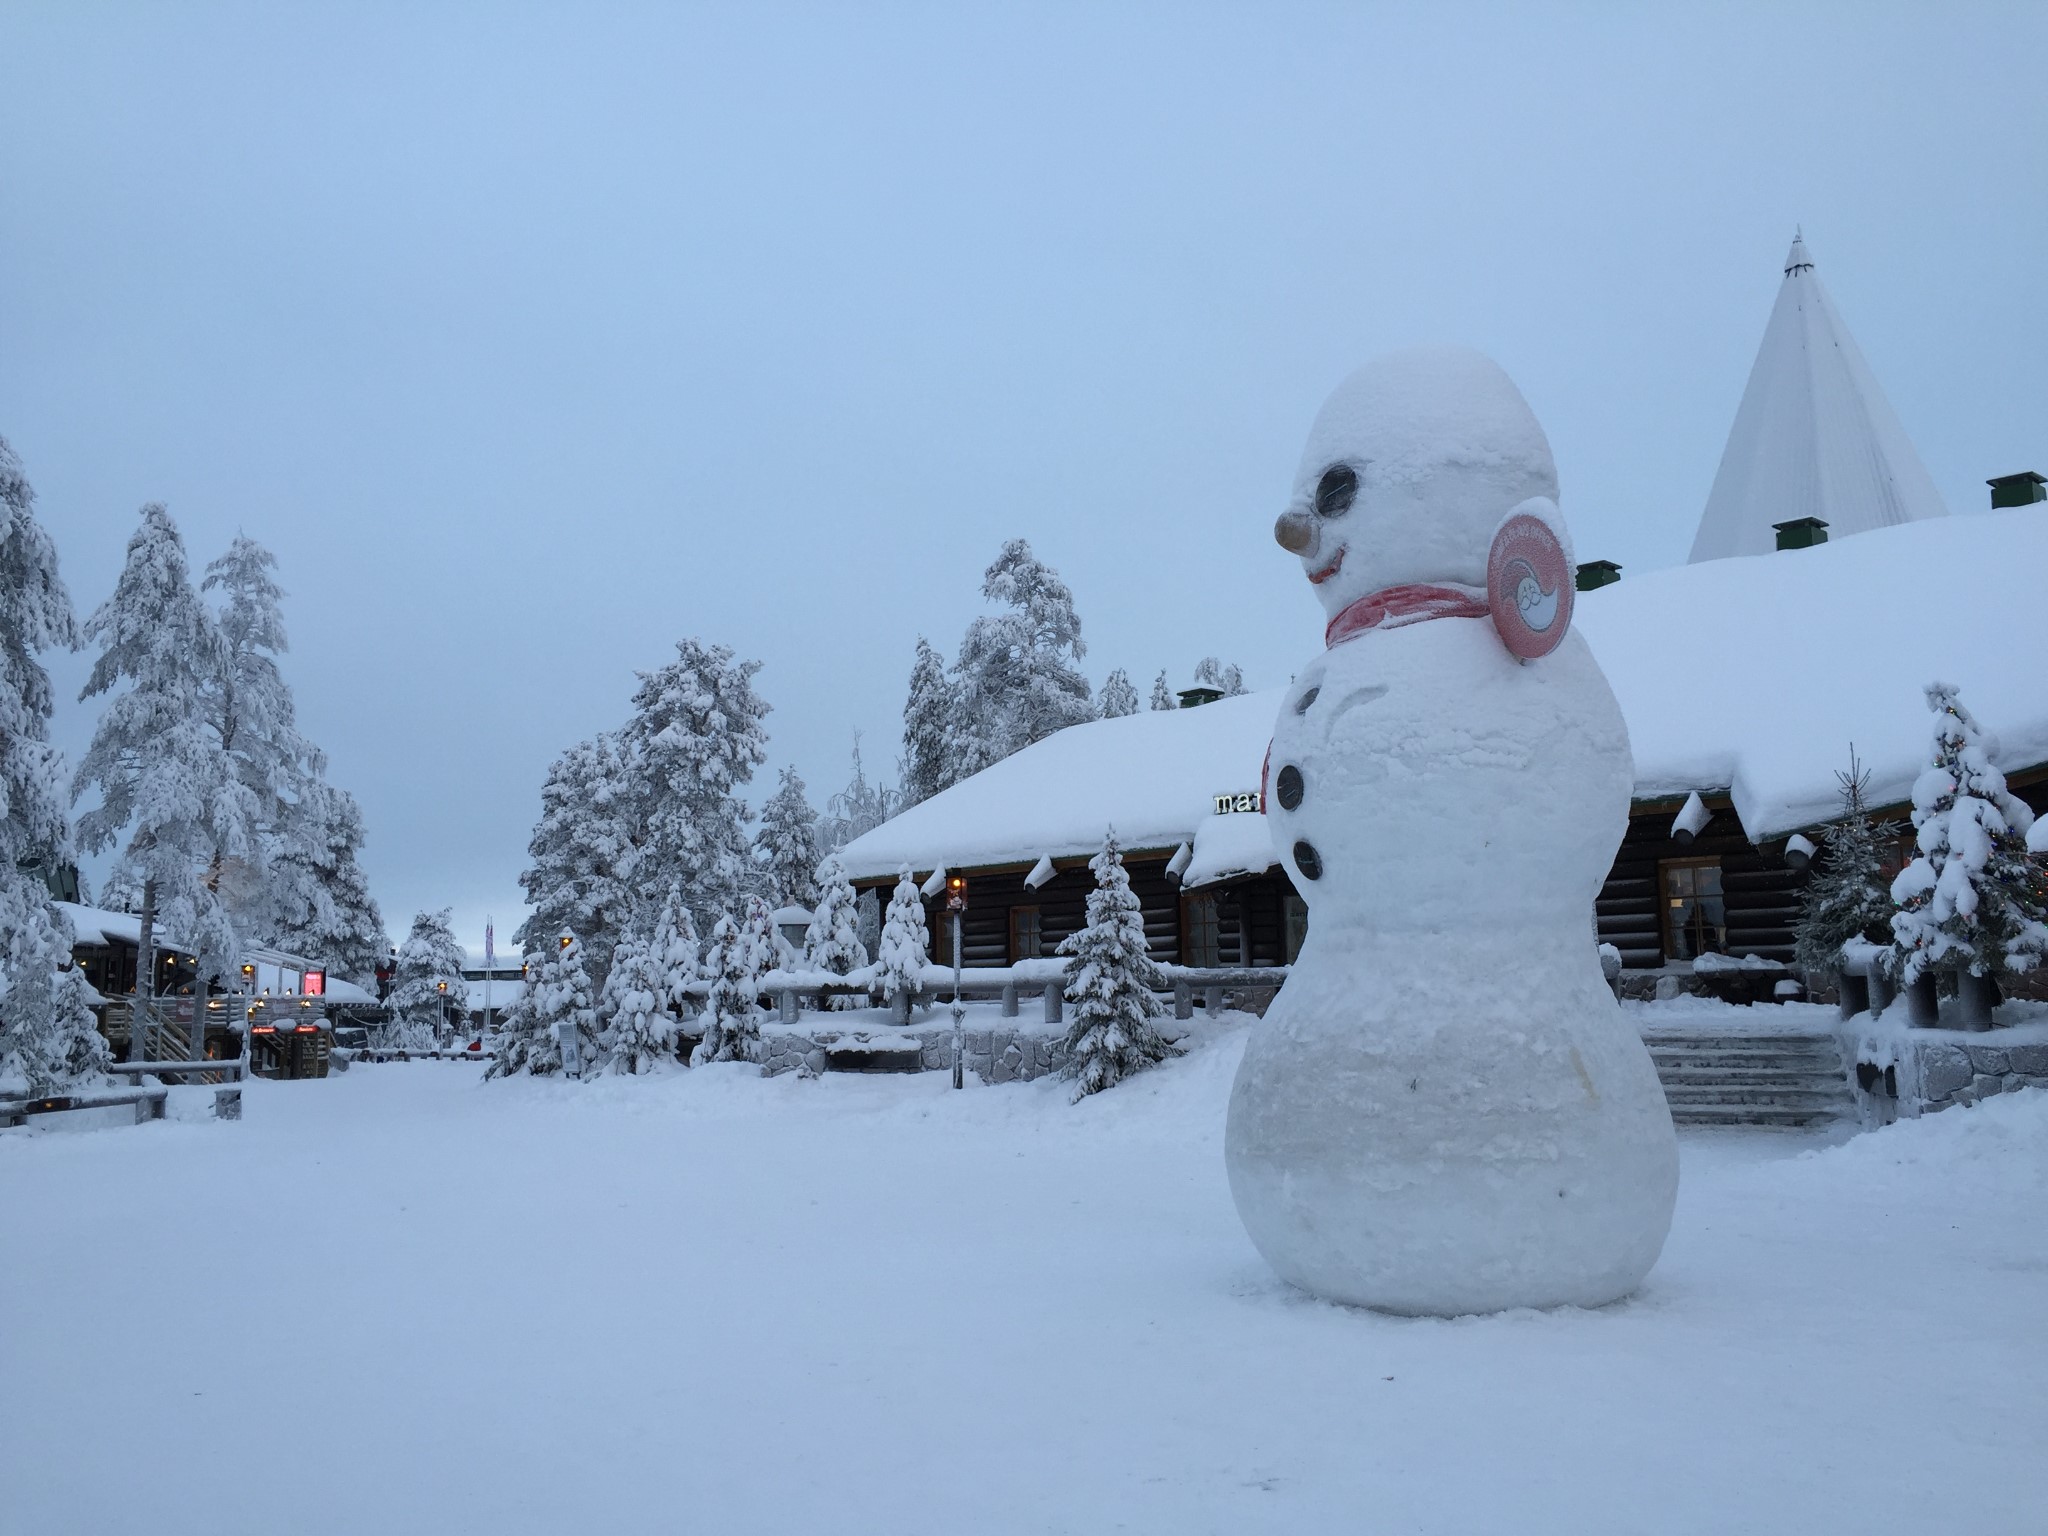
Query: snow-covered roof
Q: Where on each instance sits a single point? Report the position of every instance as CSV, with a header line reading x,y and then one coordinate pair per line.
x,y
96,925
1154,776
1813,437
1750,676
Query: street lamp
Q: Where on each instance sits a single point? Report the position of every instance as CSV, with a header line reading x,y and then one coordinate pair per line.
x,y
441,1032
956,908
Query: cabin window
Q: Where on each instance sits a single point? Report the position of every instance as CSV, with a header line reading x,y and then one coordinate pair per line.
x,y
1294,914
1201,931
1027,940
1695,916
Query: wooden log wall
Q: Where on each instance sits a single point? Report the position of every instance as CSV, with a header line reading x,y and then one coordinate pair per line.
x,y
1759,892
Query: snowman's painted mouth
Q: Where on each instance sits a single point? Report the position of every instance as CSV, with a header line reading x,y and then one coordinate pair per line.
x,y
1317,578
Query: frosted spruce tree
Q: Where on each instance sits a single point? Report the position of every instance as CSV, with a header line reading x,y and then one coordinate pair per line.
x,y
694,740
1163,696
677,952
41,1045
1226,680
1845,896
1110,984
758,927
732,1022
928,727
860,807
565,996
636,1029
1118,696
320,902
584,853
1971,899
787,844
171,796
903,953
1018,675
427,991
524,1044
832,942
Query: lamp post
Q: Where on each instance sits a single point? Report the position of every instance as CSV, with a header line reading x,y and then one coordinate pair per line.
x,y
956,908
441,1029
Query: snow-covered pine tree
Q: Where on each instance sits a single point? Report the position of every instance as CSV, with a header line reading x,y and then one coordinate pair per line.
x,y
694,739
165,781
858,808
1118,696
39,1024
565,995
928,726
1163,696
832,942
759,929
903,954
637,1030
524,1043
1110,984
249,706
1226,680
1971,899
1018,673
732,1027
584,855
787,844
676,951
320,904
427,993
1845,895
121,891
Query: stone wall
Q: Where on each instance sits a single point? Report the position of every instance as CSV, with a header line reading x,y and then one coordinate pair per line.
x,y
1900,1071
1011,1052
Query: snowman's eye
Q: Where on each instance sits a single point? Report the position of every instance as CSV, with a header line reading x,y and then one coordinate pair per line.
x,y
1336,490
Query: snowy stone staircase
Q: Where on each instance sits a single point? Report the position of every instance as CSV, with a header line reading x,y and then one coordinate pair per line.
x,y
1763,1077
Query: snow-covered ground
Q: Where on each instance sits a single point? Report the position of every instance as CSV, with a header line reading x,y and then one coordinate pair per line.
x,y
406,1300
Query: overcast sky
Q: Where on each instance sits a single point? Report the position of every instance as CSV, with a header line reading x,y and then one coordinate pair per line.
x,y
532,339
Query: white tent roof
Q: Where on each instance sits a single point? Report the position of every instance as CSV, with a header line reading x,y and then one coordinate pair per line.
x,y
1748,676
1813,437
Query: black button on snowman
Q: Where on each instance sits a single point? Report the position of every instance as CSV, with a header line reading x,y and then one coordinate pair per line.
x,y
1444,1111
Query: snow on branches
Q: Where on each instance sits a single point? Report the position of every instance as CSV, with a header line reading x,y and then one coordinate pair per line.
x,y
1845,898
832,942
427,992
1111,983
1972,899
787,844
732,1027
637,1029
899,966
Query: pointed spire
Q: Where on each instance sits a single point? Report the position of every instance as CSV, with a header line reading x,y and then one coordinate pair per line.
x,y
1813,437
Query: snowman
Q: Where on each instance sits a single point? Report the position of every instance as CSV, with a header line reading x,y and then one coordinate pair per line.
x,y
1445,1110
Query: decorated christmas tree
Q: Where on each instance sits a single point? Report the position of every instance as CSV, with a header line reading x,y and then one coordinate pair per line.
x,y
1845,898
1111,982
1972,899
902,958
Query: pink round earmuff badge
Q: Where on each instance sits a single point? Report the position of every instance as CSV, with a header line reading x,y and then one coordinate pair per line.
x,y
1529,586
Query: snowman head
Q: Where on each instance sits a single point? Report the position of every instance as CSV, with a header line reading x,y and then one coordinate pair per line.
x,y
1409,468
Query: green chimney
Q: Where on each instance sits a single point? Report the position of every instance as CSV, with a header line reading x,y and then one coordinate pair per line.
x,y
1190,697
1597,573
2021,490
1801,533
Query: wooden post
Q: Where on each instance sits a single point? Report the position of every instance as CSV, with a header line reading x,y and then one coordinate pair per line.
x,y
143,1014
1183,1000
1055,1001
1009,999
786,1005
1212,1001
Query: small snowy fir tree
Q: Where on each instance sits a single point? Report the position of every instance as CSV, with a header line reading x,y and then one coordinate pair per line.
x,y
1118,696
583,851
41,1044
638,1032
899,966
321,905
676,952
1972,899
694,740
121,891
787,844
859,808
565,995
1227,680
732,1026
832,942
1018,673
427,993
1163,696
164,778
524,1045
1845,896
1110,983
928,716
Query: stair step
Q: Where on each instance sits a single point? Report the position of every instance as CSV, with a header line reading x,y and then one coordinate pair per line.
x,y
1689,1072
1789,1098
1749,1114
1795,1044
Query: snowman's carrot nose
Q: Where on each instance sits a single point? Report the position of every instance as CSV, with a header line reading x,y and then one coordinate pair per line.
x,y
1296,532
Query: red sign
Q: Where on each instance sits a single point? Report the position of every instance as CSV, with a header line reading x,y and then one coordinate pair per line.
x,y
1529,586
314,984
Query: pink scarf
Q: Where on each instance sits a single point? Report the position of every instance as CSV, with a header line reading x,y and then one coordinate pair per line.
x,y
1392,607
